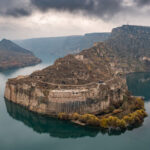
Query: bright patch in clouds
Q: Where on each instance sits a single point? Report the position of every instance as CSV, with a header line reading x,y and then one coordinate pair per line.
x,y
50,24
128,3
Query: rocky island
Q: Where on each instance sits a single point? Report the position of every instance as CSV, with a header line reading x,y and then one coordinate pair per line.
x,y
13,56
88,88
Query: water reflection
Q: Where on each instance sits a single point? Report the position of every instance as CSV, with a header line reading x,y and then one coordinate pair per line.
x,y
55,127
52,126
139,84
23,71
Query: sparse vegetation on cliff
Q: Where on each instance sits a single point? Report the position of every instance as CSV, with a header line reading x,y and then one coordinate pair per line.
x,y
111,120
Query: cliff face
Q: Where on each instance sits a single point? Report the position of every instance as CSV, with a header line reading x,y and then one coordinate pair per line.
x,y
13,56
133,40
85,83
132,46
95,98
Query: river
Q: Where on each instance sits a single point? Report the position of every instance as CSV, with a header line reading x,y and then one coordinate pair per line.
x,y
24,130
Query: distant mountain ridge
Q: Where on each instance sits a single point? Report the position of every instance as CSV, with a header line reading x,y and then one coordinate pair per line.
x,y
10,46
14,56
60,46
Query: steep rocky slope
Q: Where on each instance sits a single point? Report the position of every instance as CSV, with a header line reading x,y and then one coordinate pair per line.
x,y
90,65
132,46
133,40
14,56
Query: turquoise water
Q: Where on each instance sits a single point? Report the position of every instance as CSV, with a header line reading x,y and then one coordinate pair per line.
x,y
24,130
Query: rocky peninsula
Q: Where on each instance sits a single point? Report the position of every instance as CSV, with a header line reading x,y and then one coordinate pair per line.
x,y
13,56
88,88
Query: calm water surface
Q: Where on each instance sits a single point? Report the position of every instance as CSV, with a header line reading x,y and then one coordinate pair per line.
x,y
23,130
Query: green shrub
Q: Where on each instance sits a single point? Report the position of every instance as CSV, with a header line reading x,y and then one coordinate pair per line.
x,y
84,118
75,116
139,103
89,119
121,123
107,122
135,117
63,116
103,123
113,122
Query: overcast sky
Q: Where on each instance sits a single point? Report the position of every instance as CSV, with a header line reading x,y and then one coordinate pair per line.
x,y
20,19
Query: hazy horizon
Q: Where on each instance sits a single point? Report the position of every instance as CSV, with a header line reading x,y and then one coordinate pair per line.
x,y
43,37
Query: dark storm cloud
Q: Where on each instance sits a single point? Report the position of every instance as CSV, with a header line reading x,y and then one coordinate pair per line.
x,y
100,8
103,8
142,2
15,8
18,12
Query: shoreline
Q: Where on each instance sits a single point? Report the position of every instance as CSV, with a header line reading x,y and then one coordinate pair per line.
x,y
19,67
136,121
109,121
